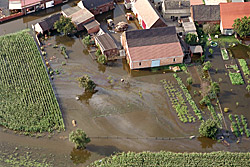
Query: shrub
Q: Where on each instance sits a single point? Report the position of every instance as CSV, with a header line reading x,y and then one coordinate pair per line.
x,y
189,81
79,138
102,59
86,83
207,65
86,40
208,129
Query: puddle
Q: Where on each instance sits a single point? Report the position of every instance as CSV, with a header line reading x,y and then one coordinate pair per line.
x,y
79,156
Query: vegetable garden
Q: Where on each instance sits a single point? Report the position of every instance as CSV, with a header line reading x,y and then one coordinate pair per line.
x,y
28,102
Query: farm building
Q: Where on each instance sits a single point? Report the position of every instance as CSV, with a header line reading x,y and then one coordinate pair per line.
x,y
107,46
30,6
175,9
82,18
97,6
146,15
206,13
152,47
231,11
46,24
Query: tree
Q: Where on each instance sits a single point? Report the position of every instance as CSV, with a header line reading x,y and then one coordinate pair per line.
x,y
215,87
189,80
210,28
208,128
248,88
86,83
102,59
211,51
207,65
241,26
79,138
64,25
86,40
191,39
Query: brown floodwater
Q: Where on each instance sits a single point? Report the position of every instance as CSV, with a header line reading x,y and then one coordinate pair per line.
x,y
116,116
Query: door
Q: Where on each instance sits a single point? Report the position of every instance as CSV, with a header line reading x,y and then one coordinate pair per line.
x,y
155,63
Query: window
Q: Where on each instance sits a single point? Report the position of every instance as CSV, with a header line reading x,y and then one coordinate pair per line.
x,y
139,63
174,60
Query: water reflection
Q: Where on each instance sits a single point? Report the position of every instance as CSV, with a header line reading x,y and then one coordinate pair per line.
x,y
206,142
241,51
86,96
101,68
103,150
65,40
79,156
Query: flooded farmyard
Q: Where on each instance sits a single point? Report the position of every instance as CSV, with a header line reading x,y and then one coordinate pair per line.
x,y
129,110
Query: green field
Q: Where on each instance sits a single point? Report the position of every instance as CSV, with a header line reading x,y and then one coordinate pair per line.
x,y
170,159
28,102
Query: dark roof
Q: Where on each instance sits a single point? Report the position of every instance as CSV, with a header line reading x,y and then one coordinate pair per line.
x,y
91,24
206,12
106,42
152,36
48,23
90,4
175,4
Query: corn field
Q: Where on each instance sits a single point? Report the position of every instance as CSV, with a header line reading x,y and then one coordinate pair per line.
x,y
171,159
27,100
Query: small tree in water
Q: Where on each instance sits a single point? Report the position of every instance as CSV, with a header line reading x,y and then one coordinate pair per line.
x,y
208,129
79,138
64,25
189,81
86,83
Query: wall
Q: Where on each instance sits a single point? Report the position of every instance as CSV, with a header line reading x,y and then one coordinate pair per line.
x,y
163,62
103,8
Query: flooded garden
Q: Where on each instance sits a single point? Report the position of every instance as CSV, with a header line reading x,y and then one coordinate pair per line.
x,y
130,110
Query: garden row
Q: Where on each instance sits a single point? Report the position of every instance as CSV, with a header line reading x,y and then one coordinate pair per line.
x,y
246,72
28,101
178,102
175,159
188,97
239,125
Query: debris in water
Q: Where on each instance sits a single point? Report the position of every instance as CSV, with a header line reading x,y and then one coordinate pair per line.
x,y
74,123
191,137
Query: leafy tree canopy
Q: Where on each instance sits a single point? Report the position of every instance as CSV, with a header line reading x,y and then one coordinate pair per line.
x,y
79,138
242,26
86,83
191,39
208,128
64,25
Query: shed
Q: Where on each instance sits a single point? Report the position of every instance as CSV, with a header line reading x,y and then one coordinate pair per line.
x,y
97,6
107,45
92,26
46,24
195,50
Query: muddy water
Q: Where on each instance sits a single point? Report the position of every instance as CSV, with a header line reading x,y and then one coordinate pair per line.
x,y
116,108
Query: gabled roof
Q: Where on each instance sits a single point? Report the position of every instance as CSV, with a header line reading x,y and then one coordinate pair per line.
x,y
196,49
106,42
48,23
77,14
81,16
231,11
151,36
90,4
155,43
147,12
206,12
176,4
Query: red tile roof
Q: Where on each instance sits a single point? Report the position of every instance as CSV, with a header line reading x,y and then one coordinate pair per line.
x,y
196,2
231,11
159,51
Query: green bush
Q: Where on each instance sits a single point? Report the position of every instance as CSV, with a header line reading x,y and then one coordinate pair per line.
x,y
208,129
102,59
79,138
236,78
